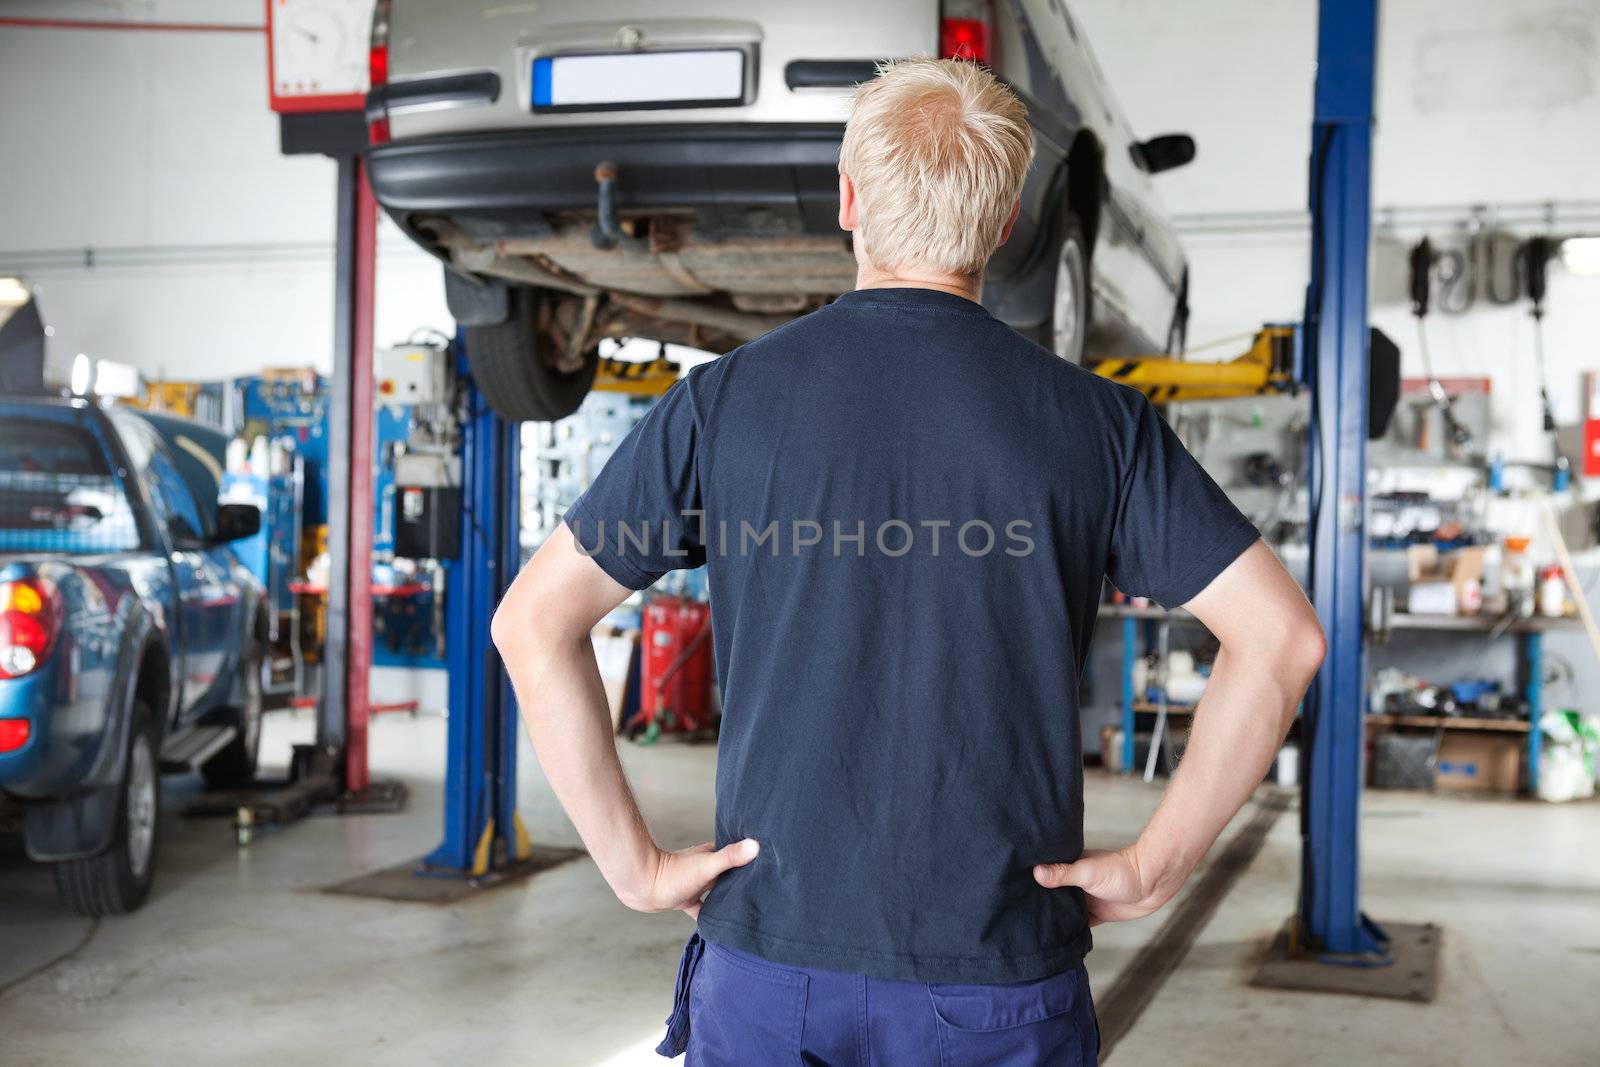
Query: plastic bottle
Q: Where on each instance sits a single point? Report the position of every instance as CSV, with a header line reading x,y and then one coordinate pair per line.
x,y
1552,592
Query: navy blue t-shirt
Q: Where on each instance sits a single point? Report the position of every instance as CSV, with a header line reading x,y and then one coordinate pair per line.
x,y
907,511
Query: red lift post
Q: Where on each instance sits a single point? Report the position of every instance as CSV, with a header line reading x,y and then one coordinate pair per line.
x,y
320,99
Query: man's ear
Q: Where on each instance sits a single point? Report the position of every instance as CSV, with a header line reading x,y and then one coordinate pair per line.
x,y
1005,231
848,218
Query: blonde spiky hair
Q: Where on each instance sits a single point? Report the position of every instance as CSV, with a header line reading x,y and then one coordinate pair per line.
x,y
937,150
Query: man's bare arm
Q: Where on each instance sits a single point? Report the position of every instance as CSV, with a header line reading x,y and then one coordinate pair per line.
x,y
1272,645
542,631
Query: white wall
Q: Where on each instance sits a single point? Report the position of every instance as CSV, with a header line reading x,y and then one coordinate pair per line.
x,y
158,151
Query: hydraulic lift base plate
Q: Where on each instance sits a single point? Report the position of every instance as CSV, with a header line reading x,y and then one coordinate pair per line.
x,y
273,805
1412,973
417,883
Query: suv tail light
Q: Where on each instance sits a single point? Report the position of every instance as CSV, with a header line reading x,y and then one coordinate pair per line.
x,y
30,618
14,734
378,67
966,30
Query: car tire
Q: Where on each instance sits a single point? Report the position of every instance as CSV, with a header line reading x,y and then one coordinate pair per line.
x,y
1067,331
235,766
117,880
506,366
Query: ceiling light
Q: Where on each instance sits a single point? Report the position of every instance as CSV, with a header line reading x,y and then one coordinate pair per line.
x,y
82,374
1581,255
115,379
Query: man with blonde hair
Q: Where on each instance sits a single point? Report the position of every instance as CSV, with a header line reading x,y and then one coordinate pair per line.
x,y
908,512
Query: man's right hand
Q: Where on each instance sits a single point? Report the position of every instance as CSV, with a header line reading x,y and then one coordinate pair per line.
x,y
680,880
1116,885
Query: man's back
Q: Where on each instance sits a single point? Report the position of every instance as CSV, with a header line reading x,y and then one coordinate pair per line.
x,y
907,512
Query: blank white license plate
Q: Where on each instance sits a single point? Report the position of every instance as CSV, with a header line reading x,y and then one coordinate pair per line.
x,y
709,78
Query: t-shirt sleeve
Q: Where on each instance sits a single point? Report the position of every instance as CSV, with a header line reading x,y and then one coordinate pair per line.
x,y
642,515
1175,528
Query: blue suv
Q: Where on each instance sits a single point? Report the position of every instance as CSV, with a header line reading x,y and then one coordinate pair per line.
x,y
131,637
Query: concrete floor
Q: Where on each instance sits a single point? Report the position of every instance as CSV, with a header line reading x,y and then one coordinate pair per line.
x,y
239,958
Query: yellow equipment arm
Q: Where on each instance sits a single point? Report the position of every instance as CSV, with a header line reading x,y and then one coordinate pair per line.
x,y
1266,367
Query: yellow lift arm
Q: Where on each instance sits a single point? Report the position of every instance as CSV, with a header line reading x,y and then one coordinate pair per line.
x,y
1267,366
636,379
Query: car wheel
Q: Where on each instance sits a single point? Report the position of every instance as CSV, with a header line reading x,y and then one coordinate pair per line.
x,y
1069,306
506,364
235,766
118,880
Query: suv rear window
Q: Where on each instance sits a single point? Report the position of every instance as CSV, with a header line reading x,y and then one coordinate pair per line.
x,y
58,493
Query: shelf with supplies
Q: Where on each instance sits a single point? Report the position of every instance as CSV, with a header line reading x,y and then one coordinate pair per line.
x,y
1171,709
1449,722
1529,629
1510,624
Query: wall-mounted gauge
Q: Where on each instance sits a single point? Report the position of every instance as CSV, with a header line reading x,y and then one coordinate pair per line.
x,y
317,54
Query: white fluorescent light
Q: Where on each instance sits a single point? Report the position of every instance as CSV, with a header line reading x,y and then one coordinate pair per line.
x,y
82,374
13,293
115,379
1581,255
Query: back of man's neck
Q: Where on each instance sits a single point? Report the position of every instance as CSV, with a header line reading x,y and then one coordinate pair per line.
x,y
960,285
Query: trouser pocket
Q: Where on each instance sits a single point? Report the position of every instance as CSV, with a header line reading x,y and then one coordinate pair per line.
x,y
745,1011
677,1038
1018,1024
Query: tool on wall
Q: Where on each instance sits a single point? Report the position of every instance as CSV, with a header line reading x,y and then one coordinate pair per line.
x,y
1422,261
1534,258
1482,266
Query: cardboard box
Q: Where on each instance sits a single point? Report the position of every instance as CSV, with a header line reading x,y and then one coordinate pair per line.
x,y
616,654
1111,747
1426,570
1479,762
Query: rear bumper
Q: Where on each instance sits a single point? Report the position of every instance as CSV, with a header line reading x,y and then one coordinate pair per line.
x,y
724,172
32,770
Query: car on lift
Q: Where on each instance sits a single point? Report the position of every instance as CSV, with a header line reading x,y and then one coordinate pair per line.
x,y
605,170
131,636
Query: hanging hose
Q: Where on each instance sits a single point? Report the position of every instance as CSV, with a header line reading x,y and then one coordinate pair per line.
x,y
1534,257
1422,261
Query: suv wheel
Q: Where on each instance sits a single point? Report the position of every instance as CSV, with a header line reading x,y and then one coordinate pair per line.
x,y
1069,306
509,368
235,766
118,879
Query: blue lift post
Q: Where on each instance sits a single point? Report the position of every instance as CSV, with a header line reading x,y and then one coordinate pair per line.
x,y
1330,945
482,832
1337,325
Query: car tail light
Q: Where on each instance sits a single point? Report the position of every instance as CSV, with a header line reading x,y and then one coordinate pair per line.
x,y
29,619
966,30
14,733
378,67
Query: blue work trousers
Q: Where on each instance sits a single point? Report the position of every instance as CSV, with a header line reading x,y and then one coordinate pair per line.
x,y
732,1008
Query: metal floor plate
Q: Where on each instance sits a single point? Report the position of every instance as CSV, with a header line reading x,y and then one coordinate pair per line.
x,y
1413,973
413,882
